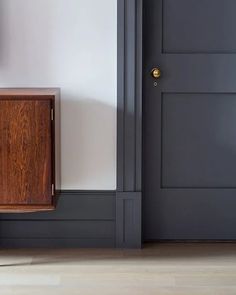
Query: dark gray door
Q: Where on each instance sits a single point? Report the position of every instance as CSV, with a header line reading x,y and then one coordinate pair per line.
x,y
190,120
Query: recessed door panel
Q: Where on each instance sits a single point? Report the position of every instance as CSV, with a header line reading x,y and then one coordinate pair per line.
x,y
191,26
198,141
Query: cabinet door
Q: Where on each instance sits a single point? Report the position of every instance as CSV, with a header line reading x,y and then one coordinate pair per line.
x,y
25,152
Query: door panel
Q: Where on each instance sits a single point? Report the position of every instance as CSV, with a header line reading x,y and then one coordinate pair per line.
x,y
191,214
199,26
198,142
189,120
25,152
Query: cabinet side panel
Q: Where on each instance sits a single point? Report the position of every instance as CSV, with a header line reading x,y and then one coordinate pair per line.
x,y
57,142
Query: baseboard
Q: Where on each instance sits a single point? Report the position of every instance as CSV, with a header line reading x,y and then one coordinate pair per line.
x,y
56,243
82,219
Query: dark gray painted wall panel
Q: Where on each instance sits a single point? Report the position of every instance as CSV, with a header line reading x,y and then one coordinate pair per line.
x,y
199,26
79,205
57,229
82,219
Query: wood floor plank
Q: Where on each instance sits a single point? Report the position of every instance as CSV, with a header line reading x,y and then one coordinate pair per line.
x,y
160,269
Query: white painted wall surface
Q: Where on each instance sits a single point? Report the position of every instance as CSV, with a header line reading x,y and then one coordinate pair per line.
x,y
69,44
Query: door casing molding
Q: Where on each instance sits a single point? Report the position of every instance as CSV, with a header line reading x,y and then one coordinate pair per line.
x,y
129,125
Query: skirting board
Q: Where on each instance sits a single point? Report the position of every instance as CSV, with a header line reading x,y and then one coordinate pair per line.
x,y
82,219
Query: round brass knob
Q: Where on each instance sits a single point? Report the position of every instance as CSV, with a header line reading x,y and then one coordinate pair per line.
x,y
156,73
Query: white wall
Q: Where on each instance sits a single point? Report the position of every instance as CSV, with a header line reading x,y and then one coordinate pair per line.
x,y
69,44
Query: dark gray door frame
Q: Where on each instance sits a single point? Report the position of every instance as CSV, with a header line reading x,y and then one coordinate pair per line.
x,y
129,127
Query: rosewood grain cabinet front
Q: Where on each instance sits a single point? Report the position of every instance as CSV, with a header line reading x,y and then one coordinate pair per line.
x,y
29,149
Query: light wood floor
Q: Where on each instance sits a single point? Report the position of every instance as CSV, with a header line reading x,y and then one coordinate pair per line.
x,y
161,269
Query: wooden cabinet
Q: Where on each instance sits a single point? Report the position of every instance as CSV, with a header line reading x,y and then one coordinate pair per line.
x,y
29,149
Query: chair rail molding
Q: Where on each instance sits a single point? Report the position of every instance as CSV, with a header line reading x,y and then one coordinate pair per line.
x,y
129,127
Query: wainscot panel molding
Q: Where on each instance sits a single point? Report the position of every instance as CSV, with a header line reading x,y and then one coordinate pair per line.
x,y
129,132
82,219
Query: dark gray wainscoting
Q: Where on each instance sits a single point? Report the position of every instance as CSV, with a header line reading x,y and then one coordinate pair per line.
x,y
82,219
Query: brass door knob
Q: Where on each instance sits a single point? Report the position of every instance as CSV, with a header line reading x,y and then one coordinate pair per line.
x,y
156,73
